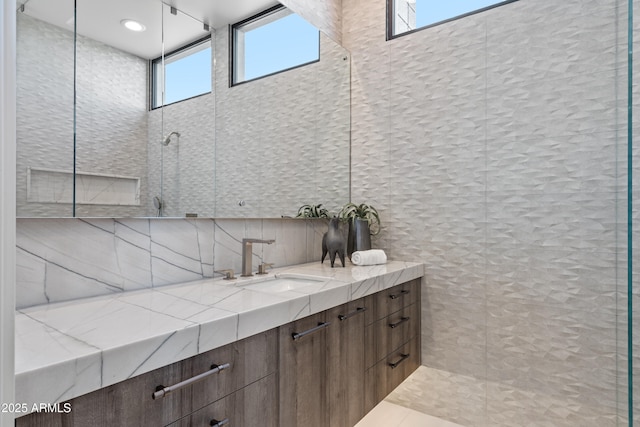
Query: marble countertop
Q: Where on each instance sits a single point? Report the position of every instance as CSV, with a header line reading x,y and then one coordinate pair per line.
x,y
67,349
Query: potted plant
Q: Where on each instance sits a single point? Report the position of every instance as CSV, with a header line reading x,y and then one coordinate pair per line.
x,y
364,221
312,211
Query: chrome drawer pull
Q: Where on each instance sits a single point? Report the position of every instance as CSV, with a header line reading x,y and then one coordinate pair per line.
x,y
402,292
216,423
353,313
162,391
399,322
297,335
403,357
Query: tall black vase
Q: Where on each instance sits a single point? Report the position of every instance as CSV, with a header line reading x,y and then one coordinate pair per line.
x,y
359,238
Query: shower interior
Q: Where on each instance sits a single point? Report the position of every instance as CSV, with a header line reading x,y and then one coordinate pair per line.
x,y
158,200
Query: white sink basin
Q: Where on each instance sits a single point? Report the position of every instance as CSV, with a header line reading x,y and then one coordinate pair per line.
x,y
286,282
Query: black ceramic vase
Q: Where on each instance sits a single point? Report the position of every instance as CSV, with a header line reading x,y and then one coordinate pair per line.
x,y
359,238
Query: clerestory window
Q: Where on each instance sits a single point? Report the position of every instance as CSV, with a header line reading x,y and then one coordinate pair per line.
x,y
405,16
184,73
273,41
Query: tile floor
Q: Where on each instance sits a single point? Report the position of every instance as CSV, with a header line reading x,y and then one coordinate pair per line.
x,y
387,414
433,398
404,406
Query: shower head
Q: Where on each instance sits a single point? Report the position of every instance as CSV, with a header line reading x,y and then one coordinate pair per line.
x,y
167,140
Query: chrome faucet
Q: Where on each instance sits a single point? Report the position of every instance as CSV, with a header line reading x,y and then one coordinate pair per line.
x,y
247,252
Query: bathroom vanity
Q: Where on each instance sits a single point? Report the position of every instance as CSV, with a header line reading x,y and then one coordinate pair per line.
x,y
302,346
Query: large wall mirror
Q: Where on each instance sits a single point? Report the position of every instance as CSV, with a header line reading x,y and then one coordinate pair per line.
x,y
96,137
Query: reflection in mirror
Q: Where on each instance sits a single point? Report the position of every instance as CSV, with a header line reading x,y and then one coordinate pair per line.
x,y
283,140
181,171
260,149
44,104
107,129
111,114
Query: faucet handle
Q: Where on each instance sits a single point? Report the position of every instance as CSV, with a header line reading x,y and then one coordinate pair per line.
x,y
227,273
262,268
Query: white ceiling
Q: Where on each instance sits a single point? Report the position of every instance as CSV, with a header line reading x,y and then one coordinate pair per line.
x,y
100,20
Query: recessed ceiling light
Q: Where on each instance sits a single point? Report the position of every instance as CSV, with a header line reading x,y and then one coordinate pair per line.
x,y
132,25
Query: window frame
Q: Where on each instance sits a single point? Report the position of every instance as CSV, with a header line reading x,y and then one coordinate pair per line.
x,y
390,17
233,60
160,62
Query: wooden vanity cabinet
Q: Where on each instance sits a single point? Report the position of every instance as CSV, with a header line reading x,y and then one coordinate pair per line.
x,y
321,373
302,370
392,340
345,362
253,405
383,377
383,303
251,359
130,403
327,369
338,373
389,333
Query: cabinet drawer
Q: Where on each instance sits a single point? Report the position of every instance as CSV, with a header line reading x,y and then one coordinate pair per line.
x,y
383,377
127,403
401,363
390,300
253,405
388,334
130,403
249,359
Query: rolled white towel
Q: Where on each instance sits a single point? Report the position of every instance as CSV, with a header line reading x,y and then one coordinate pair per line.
x,y
370,257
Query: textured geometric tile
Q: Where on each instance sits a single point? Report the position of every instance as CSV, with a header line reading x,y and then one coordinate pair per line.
x,y
454,334
506,175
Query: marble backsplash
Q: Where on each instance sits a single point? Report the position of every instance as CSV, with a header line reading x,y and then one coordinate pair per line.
x,y
71,258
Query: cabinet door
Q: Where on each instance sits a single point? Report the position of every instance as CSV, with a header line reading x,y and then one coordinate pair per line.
x,y
345,364
302,370
128,403
249,360
253,405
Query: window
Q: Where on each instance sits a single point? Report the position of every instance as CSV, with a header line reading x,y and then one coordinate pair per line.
x,y
272,41
409,15
185,72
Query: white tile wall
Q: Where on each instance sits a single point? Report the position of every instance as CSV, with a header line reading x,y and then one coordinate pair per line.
x,y
495,148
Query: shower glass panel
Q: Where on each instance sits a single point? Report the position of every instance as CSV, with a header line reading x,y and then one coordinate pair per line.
x,y
632,284
181,172
522,201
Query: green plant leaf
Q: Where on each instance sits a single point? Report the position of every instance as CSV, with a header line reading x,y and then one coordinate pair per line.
x,y
312,211
351,211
